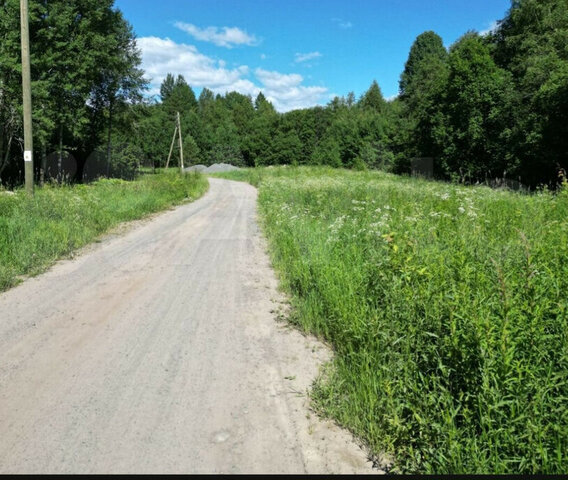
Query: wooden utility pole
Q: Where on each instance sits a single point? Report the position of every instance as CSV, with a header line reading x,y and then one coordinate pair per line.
x,y
180,144
27,98
171,147
177,130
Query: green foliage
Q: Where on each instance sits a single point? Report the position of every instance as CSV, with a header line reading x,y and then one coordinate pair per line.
x,y
125,162
428,49
494,106
478,111
85,70
446,309
327,153
286,148
422,85
372,99
179,96
531,43
191,150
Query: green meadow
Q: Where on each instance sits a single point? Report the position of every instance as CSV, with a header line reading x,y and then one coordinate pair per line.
x,y
446,307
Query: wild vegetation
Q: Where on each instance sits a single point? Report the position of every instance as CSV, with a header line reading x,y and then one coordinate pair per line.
x,y
445,306
36,231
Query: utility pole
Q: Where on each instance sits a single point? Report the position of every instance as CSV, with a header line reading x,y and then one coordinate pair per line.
x,y
27,98
180,144
171,147
177,130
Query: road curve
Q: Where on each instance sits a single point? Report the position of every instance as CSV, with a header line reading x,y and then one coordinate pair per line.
x,y
158,350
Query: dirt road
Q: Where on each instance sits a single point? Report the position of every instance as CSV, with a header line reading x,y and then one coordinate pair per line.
x,y
158,351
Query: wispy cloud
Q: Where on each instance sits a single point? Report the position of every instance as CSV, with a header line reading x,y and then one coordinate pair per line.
x,y
344,24
286,91
223,37
304,57
492,28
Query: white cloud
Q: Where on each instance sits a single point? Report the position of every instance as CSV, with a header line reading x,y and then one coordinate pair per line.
x,y
161,56
492,28
344,24
304,57
286,92
222,37
277,80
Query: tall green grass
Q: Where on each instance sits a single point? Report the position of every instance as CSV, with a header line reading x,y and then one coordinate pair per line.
x,y
36,231
447,308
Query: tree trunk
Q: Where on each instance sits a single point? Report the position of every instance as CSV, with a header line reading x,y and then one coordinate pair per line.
x,y
1,151
80,160
4,161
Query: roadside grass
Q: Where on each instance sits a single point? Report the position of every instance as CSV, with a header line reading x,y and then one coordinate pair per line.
x,y
36,231
446,306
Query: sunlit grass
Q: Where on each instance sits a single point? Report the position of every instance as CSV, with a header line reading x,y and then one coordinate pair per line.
x,y
36,231
446,307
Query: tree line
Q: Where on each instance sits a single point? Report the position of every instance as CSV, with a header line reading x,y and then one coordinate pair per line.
x,y
490,106
85,71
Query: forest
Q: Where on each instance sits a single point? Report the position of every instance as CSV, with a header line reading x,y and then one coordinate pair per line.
x,y
490,108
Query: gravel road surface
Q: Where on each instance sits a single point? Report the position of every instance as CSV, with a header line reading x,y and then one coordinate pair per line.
x,y
159,350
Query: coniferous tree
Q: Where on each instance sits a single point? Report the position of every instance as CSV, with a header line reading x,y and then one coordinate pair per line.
x,y
373,99
421,85
167,87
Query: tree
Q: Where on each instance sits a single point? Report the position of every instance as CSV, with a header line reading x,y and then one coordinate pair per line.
x,y
120,81
286,148
478,109
421,85
257,146
179,97
327,152
226,145
191,150
77,72
167,87
148,132
531,42
373,99
428,48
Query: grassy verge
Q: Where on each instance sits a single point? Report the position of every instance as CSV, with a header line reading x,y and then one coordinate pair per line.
x,y
36,231
447,309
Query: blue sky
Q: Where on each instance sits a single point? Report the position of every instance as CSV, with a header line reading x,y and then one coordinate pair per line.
x,y
300,53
